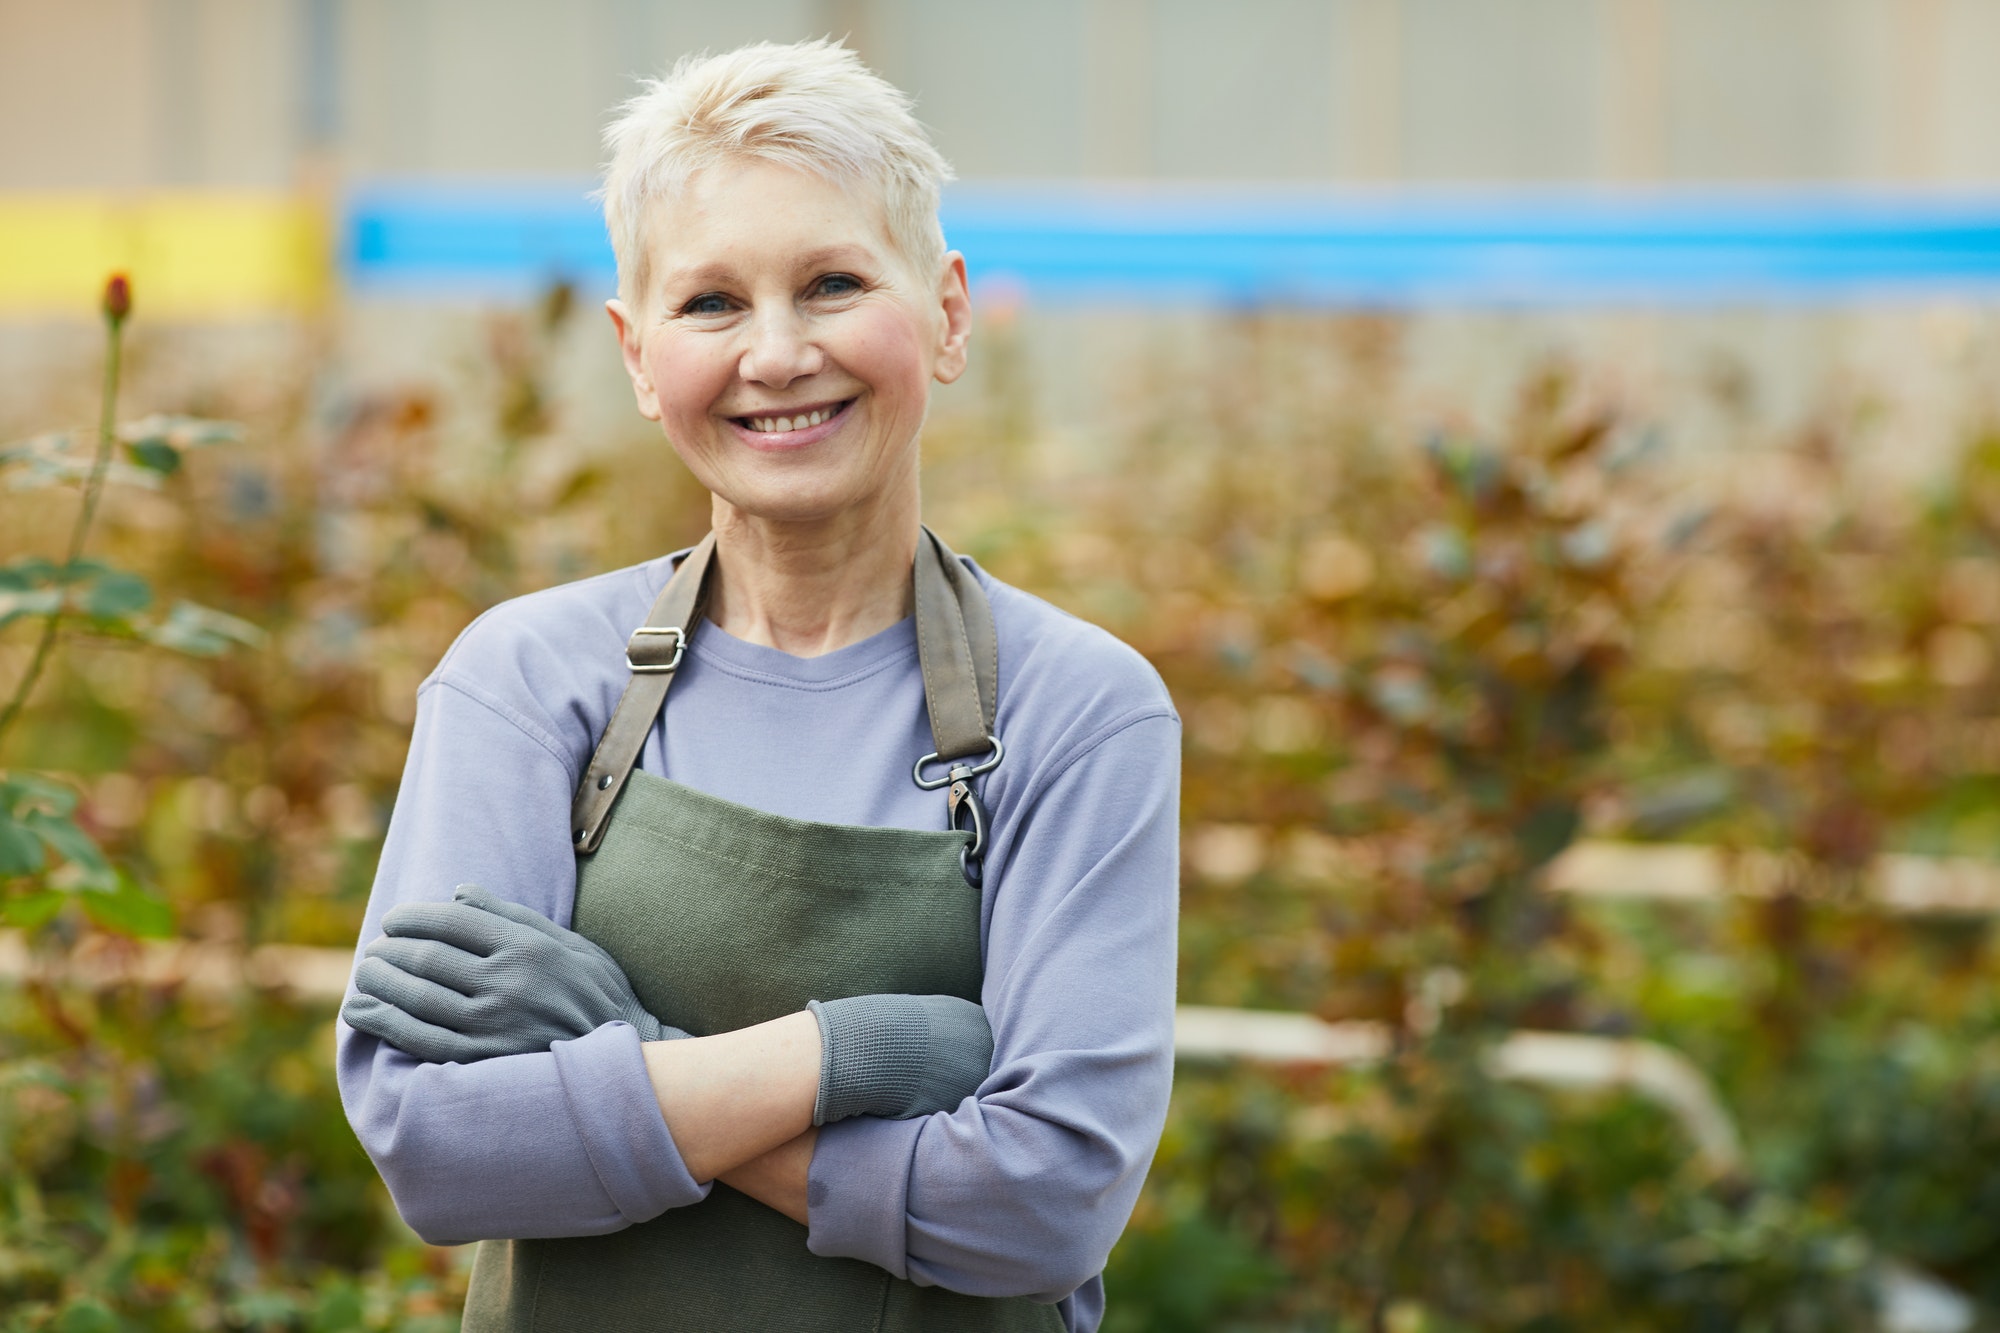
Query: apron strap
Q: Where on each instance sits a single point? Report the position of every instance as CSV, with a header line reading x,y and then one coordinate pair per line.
x,y
957,651
654,653
960,657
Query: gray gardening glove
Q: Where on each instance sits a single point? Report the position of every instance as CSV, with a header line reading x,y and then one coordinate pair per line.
x,y
479,976
899,1056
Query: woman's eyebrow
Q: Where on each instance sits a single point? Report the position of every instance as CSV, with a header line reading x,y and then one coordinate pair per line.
x,y
835,254
723,274
700,275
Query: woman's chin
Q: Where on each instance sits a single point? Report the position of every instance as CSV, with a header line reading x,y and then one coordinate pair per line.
x,y
796,505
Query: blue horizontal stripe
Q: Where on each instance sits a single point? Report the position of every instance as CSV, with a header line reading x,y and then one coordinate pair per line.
x,y
1284,247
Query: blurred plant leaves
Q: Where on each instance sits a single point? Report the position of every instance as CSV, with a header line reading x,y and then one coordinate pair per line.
x,y
126,908
202,631
36,823
112,601
154,455
157,443
1189,1275
31,911
66,458
88,1316
153,448
1410,671
88,588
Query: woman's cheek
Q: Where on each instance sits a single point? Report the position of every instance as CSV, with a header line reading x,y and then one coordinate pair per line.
x,y
889,344
684,383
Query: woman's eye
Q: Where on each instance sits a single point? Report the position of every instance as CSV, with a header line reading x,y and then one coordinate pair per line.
x,y
709,303
838,284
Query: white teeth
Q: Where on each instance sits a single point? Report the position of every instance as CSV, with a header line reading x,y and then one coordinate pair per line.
x,y
784,425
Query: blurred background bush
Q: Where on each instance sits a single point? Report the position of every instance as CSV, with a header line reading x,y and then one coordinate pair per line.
x,y
1580,582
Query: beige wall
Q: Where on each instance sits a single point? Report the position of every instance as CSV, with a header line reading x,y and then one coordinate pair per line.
x,y
135,93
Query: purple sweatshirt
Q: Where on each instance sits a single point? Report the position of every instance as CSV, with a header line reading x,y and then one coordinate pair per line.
x,y
1019,1192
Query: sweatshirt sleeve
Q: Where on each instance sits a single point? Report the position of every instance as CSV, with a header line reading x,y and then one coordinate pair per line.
x,y
567,1142
1023,1190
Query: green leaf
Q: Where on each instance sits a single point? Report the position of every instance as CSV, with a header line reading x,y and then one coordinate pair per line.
x,y
340,1310
49,460
156,455
20,849
114,595
62,836
51,445
129,910
202,631
32,911
41,602
1546,831
18,789
26,575
87,1316
179,433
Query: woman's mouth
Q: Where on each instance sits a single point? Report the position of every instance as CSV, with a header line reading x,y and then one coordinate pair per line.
x,y
793,430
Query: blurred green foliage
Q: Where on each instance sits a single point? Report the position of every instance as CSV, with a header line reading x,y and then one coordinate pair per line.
x,y
181,1164
1414,668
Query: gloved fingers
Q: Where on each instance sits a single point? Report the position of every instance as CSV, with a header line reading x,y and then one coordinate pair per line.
x,y
453,923
419,997
590,959
474,896
425,1041
445,964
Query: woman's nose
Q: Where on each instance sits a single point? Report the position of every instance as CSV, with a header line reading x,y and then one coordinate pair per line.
x,y
781,350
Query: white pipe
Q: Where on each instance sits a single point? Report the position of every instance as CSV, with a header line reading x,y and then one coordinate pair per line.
x,y
1557,1059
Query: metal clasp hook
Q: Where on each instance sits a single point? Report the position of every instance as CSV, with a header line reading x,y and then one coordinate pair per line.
x,y
962,797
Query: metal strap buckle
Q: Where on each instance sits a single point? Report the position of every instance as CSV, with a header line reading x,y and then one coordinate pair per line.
x,y
656,668
971,856
959,770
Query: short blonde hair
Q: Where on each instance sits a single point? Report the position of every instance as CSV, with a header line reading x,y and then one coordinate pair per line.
x,y
811,105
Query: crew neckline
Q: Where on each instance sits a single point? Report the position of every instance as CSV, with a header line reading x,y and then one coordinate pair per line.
x,y
839,667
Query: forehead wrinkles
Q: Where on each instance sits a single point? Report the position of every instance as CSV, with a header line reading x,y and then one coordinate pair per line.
x,y
815,222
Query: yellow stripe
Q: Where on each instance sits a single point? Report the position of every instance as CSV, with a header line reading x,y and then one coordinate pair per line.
x,y
190,256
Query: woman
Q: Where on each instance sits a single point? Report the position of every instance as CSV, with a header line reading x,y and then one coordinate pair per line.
x,y
756,864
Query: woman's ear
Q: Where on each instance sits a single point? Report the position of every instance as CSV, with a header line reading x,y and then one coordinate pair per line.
x,y
956,331
633,348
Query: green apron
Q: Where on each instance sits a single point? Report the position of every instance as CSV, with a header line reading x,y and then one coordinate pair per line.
x,y
723,916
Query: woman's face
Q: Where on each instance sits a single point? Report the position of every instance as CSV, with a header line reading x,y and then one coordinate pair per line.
x,y
786,345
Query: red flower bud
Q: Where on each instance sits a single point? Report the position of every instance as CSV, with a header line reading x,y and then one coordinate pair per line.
x,y
117,298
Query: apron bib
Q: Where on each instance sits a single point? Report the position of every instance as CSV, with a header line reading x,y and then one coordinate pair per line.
x,y
723,916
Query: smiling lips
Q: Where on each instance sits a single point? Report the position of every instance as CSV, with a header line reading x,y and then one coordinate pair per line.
x,y
799,421
800,428
781,425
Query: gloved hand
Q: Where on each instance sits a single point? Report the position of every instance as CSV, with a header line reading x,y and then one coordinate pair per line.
x,y
479,976
899,1056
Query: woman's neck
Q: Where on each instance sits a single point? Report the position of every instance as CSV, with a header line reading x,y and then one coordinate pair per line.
x,y
811,588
